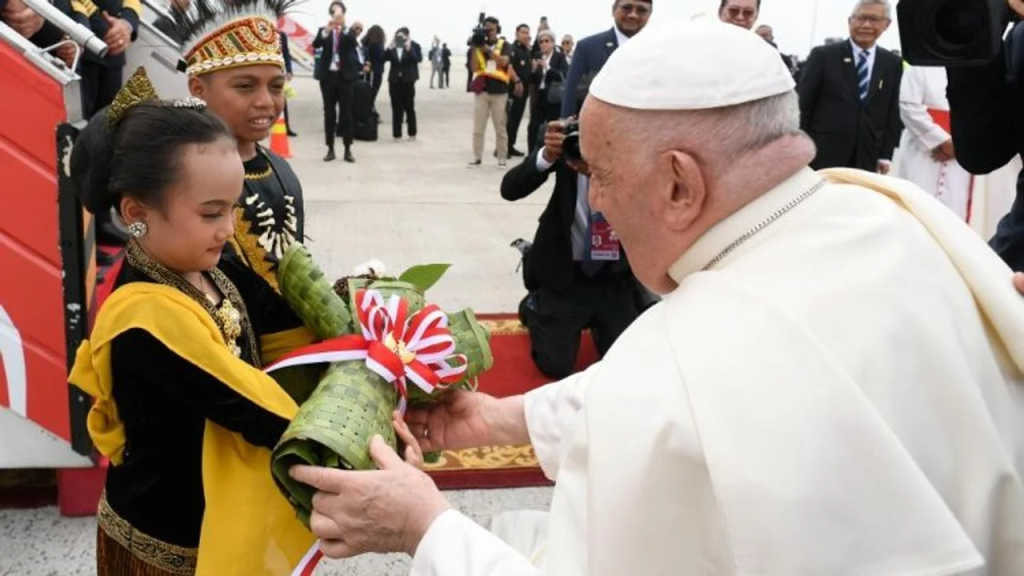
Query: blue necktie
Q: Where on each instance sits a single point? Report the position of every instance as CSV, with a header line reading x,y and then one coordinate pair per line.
x,y
863,78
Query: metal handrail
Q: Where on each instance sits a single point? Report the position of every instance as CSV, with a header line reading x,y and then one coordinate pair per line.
x,y
81,35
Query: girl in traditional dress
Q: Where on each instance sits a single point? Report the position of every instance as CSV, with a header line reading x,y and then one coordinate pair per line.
x,y
183,412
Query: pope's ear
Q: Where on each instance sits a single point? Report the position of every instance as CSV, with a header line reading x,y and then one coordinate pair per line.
x,y
684,195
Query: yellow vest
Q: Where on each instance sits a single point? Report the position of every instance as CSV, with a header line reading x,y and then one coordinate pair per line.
x,y
498,74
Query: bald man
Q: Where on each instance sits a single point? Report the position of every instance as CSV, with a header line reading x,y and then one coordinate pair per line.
x,y
833,384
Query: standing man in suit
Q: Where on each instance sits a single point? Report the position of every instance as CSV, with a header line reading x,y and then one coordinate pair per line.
x,y
404,57
446,61
592,52
517,99
849,95
287,54
338,68
573,284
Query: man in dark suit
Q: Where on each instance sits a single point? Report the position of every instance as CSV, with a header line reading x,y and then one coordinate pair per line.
x,y
404,57
988,128
592,52
517,100
849,95
287,54
338,69
569,289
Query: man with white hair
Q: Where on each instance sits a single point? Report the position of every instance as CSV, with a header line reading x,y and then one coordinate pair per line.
x,y
832,384
849,95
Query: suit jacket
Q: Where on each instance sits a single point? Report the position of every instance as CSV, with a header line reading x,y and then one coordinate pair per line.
x,y
407,69
846,131
348,48
588,59
549,264
558,68
988,130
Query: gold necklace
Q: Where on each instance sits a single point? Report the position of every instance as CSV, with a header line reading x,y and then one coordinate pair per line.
x,y
231,315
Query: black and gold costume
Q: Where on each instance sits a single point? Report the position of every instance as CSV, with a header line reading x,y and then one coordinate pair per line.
x,y
270,215
170,400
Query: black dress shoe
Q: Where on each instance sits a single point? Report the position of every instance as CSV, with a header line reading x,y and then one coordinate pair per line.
x,y
292,134
349,157
515,153
330,156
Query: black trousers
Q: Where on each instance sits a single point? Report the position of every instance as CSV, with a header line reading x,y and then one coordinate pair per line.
x,y
556,320
516,109
403,107
99,86
446,75
338,96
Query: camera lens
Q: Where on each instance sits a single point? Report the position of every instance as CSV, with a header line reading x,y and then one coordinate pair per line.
x,y
960,22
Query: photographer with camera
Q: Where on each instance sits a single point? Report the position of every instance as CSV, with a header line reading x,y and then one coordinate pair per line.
x,y
988,131
338,69
576,272
489,59
404,57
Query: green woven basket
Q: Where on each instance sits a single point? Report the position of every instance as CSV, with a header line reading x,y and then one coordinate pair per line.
x,y
334,427
311,296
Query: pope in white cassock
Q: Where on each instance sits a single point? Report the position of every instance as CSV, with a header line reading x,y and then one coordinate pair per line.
x,y
832,384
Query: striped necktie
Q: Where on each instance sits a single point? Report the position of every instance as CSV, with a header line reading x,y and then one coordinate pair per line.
x,y
863,77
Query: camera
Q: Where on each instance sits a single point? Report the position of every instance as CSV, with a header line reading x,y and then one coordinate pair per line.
x,y
479,37
951,32
571,144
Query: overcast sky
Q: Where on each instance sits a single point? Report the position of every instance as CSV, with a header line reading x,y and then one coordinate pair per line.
x,y
799,24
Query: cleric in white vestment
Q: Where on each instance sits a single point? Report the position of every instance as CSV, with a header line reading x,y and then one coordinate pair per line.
x,y
832,384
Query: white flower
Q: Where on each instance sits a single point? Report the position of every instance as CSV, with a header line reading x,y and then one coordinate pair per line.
x,y
373,267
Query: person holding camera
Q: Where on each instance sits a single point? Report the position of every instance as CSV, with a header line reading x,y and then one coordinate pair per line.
x,y
489,59
987,129
547,80
576,272
338,69
404,57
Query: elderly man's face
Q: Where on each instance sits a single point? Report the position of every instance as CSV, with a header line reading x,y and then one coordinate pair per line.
x,y
619,179
868,24
742,13
766,33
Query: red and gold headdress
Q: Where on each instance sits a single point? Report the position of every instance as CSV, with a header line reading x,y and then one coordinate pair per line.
x,y
222,34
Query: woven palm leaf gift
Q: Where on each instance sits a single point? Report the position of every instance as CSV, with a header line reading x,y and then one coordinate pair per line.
x,y
386,346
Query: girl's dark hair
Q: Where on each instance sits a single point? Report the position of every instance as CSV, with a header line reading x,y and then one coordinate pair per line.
x,y
140,156
375,35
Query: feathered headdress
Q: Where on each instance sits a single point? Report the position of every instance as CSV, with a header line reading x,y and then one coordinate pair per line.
x,y
221,34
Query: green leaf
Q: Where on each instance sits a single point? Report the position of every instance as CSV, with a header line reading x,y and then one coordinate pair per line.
x,y
425,276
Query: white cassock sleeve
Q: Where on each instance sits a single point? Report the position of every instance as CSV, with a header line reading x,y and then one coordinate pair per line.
x,y
914,111
456,546
551,413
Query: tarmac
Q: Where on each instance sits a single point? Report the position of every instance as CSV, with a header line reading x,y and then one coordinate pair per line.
x,y
403,203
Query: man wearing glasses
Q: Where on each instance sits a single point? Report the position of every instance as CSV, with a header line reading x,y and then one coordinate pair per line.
x,y
742,13
849,95
592,52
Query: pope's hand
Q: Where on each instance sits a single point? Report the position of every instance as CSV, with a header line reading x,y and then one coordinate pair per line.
x,y
462,420
1017,6
387,510
1018,281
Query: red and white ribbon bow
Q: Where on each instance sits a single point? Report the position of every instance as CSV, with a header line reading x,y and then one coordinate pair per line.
x,y
397,347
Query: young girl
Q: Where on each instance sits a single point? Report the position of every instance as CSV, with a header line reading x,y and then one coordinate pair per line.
x,y
182,409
